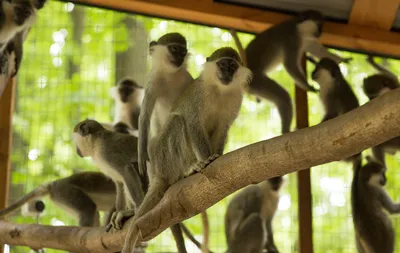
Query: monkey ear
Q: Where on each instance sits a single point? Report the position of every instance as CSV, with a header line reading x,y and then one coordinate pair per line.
x,y
84,129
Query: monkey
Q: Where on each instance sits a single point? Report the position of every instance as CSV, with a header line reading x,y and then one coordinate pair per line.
x,y
10,59
196,130
335,93
374,86
248,218
16,16
285,43
128,98
81,195
167,80
115,155
370,201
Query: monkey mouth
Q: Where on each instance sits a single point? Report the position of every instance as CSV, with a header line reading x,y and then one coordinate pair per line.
x,y
177,62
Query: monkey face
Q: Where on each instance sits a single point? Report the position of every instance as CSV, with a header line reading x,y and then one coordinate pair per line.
x,y
226,69
171,46
325,71
178,53
276,183
83,136
377,85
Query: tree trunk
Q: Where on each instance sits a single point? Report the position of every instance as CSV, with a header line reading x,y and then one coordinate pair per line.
x,y
364,127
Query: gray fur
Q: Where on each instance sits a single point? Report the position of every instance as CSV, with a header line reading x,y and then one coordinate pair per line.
x,y
248,218
370,201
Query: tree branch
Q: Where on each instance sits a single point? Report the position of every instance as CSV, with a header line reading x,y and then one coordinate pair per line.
x,y
346,135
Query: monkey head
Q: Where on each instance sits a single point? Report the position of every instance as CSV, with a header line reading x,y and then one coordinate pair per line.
x,y
326,71
373,172
378,84
225,67
85,134
169,50
125,90
276,183
310,23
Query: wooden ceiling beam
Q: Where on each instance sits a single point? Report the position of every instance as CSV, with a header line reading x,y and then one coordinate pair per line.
x,y
352,37
378,14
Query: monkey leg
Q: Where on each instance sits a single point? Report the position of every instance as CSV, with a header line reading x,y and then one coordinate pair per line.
x,y
293,67
264,87
75,199
250,236
270,245
178,236
157,188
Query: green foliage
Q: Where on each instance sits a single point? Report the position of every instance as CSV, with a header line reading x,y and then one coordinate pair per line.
x,y
51,100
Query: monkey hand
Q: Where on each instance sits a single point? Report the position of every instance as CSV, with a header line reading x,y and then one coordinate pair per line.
x,y
118,219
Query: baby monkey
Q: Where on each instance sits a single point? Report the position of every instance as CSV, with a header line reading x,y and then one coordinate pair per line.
x,y
370,205
196,130
374,86
81,195
128,96
248,218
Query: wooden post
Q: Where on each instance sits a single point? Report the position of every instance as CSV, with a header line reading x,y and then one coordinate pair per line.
x,y
6,111
303,178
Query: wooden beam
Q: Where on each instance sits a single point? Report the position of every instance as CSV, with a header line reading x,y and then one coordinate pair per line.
x,y
374,13
6,111
352,37
303,177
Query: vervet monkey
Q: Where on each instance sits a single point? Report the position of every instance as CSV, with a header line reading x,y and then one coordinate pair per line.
x,y
380,83
167,80
115,155
248,218
374,86
335,93
16,16
196,130
285,43
370,205
10,60
81,195
128,96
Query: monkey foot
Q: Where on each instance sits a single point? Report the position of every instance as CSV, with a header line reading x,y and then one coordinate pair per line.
x,y
200,165
118,219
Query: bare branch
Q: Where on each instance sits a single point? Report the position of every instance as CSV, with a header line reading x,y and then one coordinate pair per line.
x,y
346,135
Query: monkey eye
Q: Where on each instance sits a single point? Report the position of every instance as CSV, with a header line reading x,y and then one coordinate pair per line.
x,y
234,65
223,64
173,48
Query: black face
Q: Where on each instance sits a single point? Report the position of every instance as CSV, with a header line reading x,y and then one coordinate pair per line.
x,y
328,65
227,68
121,128
383,179
276,182
374,84
125,91
178,53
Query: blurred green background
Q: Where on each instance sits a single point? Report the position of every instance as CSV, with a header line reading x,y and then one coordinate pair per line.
x,y
75,54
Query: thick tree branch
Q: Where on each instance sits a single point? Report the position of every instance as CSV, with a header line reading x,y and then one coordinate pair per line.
x,y
364,127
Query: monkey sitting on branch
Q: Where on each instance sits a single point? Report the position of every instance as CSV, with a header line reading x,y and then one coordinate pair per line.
x,y
248,218
370,205
374,86
196,130
335,93
284,43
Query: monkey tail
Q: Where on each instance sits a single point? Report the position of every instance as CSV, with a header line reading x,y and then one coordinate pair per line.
x,y
39,192
206,232
203,247
239,46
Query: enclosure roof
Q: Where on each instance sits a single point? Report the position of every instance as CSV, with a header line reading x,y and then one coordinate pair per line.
x,y
362,25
